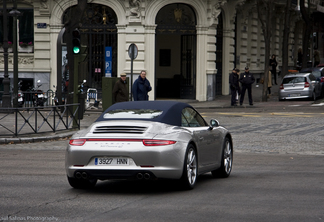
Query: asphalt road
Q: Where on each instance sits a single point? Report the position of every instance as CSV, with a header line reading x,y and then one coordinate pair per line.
x,y
262,187
277,176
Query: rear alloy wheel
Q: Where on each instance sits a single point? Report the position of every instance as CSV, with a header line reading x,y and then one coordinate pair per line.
x,y
81,183
190,168
227,161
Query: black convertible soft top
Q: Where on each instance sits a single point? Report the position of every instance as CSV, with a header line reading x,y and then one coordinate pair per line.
x,y
171,110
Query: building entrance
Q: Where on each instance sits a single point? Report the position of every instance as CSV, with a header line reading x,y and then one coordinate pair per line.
x,y
175,59
98,31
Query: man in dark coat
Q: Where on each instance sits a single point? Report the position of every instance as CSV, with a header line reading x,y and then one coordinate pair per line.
x,y
141,87
120,91
247,79
234,85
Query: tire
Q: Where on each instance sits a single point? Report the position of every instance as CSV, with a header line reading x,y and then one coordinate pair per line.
x,y
190,168
81,183
227,161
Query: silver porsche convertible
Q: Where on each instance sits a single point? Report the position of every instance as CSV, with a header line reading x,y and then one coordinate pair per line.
x,y
149,140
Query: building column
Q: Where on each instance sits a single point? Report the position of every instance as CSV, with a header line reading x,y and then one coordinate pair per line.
x,y
228,58
201,61
121,49
149,57
55,30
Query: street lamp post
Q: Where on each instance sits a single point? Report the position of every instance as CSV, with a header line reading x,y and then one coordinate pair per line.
x,y
6,98
15,13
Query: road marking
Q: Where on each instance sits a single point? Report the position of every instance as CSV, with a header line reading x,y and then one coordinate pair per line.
x,y
272,114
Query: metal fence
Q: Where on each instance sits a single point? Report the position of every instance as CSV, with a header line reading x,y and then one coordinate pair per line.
x,y
50,96
24,121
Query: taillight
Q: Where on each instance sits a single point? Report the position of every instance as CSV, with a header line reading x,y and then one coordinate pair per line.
x,y
146,142
306,85
158,142
322,79
281,86
77,142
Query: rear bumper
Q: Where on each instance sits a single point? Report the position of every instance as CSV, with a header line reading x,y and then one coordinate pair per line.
x,y
292,94
114,174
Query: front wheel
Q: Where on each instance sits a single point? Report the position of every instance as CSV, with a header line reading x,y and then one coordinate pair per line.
x,y
81,183
227,161
190,168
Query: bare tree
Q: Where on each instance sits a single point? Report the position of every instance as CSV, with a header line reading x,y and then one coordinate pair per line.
x,y
285,38
265,10
308,18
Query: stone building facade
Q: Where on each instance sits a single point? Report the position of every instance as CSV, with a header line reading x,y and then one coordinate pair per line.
x,y
187,47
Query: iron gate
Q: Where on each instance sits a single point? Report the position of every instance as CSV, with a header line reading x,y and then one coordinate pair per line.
x,y
98,31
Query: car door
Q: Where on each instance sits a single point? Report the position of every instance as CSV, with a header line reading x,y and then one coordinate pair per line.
x,y
316,83
202,135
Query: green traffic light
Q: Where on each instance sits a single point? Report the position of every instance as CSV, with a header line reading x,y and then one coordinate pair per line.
x,y
76,49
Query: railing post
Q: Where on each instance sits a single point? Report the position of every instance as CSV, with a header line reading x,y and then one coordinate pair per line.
x,y
54,119
16,122
36,120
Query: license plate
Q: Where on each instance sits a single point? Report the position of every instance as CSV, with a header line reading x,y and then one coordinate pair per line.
x,y
294,95
111,161
20,99
40,95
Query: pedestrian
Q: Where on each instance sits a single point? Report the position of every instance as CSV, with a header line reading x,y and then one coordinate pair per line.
x,y
273,64
316,58
120,91
141,87
269,83
246,79
234,85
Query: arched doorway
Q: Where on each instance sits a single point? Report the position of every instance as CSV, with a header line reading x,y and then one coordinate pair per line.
x,y
175,47
98,31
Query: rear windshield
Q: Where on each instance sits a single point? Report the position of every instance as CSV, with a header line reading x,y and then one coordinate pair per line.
x,y
132,114
295,79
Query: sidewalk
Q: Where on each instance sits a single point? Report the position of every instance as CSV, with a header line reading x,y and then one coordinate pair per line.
x,y
221,102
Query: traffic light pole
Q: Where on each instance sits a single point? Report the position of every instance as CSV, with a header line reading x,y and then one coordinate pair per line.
x,y
75,87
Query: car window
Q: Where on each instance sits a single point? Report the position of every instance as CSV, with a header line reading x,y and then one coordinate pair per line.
x,y
191,118
317,74
312,77
132,114
294,79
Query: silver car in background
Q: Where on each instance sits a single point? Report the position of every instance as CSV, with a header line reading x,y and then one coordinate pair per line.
x,y
145,140
299,85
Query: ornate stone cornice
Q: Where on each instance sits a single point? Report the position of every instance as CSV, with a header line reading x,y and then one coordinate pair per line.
x,y
24,60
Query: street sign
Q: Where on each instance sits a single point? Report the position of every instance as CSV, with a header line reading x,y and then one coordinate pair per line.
x,y
108,59
132,51
41,25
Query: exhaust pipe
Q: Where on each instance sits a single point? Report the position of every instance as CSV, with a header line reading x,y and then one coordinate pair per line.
x,y
139,176
84,175
78,175
147,176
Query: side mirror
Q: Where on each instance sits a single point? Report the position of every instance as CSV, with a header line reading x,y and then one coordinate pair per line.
x,y
213,123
